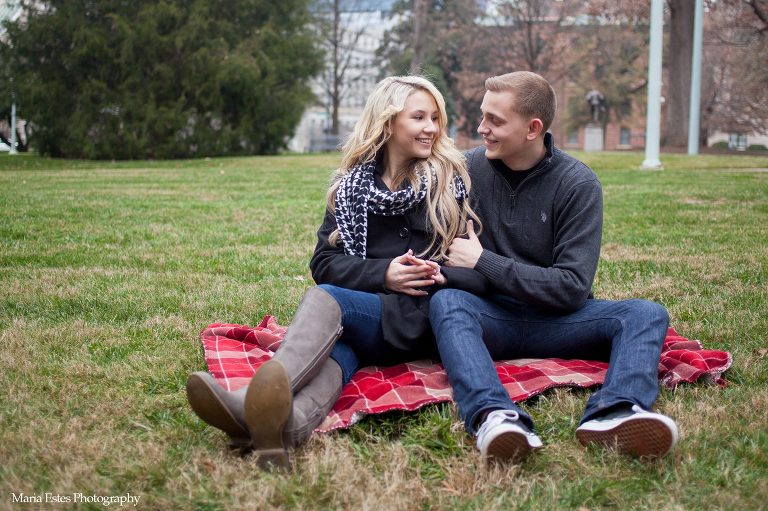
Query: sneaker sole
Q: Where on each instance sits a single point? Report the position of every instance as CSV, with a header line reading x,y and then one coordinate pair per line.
x,y
212,410
644,438
508,446
267,408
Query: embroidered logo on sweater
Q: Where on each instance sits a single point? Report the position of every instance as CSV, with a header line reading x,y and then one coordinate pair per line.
x,y
543,217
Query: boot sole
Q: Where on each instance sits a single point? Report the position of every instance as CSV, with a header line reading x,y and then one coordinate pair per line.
x,y
244,445
211,409
644,438
267,408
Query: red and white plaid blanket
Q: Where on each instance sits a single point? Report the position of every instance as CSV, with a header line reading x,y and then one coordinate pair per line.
x,y
234,352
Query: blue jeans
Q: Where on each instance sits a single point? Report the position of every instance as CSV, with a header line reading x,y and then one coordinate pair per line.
x,y
472,332
362,340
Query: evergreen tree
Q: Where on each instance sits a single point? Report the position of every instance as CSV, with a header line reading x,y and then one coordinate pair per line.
x,y
160,78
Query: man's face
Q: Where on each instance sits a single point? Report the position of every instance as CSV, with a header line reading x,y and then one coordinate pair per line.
x,y
504,132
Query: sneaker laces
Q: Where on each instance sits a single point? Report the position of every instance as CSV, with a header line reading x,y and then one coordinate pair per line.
x,y
497,417
620,413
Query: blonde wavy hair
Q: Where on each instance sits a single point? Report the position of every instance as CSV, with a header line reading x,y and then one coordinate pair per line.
x,y
445,215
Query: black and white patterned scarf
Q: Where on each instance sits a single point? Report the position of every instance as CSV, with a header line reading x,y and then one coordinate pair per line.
x,y
357,194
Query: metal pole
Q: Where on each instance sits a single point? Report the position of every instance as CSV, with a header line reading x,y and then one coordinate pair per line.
x,y
13,131
653,116
695,116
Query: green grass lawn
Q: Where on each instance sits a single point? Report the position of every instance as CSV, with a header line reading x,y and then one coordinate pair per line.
x,y
109,271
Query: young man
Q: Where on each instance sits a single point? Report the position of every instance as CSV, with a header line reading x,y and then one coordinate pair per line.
x,y
542,225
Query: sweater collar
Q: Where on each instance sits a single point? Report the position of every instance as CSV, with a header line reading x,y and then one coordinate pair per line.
x,y
549,144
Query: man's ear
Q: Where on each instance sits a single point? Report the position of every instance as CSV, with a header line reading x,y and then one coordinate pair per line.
x,y
535,127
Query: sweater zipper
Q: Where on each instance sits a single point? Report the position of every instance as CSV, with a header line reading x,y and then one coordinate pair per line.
x,y
514,192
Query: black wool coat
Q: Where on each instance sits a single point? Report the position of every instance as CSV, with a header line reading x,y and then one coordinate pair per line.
x,y
404,318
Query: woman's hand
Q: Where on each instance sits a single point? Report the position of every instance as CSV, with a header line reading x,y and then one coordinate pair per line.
x,y
438,277
406,274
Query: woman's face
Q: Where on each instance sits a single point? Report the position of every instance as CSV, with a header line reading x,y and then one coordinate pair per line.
x,y
415,128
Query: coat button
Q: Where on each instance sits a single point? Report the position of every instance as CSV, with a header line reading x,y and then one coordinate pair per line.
x,y
404,232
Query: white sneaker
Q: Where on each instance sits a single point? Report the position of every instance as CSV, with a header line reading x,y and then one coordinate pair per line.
x,y
634,431
503,437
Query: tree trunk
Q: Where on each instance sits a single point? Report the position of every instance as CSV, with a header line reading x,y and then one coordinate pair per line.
x,y
419,34
336,86
335,116
679,55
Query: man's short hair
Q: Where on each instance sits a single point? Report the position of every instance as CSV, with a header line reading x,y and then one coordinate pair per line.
x,y
534,96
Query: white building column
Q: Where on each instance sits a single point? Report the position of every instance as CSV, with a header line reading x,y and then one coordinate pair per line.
x,y
13,130
695,109
653,116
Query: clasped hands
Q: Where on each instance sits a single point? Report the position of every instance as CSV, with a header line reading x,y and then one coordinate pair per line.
x,y
408,274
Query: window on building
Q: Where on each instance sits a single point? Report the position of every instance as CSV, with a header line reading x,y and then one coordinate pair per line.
x,y
599,71
737,141
573,136
624,137
573,105
625,109
628,48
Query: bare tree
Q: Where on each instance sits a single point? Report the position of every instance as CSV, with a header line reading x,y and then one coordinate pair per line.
x,y
735,63
613,60
760,10
341,24
677,55
735,68
419,33
456,57
533,35
619,11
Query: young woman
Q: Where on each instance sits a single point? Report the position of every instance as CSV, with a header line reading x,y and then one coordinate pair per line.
x,y
396,203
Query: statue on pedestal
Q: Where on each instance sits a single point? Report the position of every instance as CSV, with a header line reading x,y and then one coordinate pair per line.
x,y
595,100
594,138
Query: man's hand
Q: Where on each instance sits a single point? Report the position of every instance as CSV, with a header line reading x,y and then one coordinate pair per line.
x,y
465,252
403,276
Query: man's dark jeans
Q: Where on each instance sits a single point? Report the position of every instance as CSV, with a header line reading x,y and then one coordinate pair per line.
x,y
472,332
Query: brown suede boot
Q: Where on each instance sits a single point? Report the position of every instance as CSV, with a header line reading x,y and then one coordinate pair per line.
x,y
315,328
304,351
268,405
278,426
313,403
309,340
219,408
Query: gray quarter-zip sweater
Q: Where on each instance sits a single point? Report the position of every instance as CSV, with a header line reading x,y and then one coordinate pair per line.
x,y
541,242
